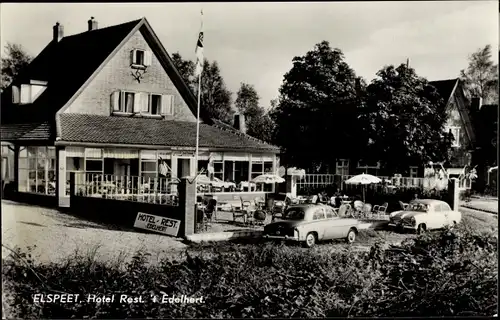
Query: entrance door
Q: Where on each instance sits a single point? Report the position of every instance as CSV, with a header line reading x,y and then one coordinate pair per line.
x,y
183,167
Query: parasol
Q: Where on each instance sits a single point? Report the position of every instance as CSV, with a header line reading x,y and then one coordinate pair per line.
x,y
363,179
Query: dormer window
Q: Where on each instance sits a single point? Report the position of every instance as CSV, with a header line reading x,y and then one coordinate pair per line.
x,y
140,58
28,93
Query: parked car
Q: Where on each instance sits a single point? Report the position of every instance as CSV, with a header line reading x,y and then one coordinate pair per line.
x,y
309,223
425,214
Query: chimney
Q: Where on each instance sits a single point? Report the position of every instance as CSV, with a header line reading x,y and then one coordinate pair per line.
x,y
92,24
476,103
58,32
239,122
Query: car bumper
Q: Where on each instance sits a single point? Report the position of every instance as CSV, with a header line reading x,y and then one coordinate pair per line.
x,y
288,238
401,226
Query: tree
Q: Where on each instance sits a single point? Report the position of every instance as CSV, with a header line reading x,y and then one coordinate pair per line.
x,y
215,97
404,118
481,76
316,117
257,120
15,60
185,68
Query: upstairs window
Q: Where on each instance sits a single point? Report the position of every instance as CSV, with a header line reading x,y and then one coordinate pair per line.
x,y
455,131
142,103
140,58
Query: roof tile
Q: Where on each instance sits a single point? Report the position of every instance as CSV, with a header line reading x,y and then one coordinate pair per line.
x,y
143,131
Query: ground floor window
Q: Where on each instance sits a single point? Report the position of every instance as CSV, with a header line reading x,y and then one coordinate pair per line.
x,y
259,168
37,167
413,172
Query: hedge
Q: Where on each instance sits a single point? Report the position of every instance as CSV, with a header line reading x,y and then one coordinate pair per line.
x,y
450,273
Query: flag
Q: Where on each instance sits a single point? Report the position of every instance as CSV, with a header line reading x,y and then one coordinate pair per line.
x,y
199,50
163,169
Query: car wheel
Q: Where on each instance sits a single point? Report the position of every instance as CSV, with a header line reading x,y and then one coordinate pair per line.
x,y
310,240
351,236
421,228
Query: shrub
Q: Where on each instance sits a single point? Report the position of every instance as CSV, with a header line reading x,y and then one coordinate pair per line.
x,y
444,274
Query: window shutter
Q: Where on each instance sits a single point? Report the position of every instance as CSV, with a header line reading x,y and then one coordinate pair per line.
x,y
144,97
148,56
137,102
166,104
25,93
132,56
15,94
115,101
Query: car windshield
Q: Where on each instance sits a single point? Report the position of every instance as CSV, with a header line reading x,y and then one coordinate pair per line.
x,y
294,214
416,206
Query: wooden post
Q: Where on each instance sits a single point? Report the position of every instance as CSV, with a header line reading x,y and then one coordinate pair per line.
x,y
187,205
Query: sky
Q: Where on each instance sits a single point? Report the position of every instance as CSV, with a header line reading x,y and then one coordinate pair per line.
x,y
256,42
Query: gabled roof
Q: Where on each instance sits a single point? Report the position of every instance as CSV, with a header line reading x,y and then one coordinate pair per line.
x,y
69,64
445,88
153,132
448,88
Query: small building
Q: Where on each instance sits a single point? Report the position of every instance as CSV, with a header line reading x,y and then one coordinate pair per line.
x,y
109,105
458,123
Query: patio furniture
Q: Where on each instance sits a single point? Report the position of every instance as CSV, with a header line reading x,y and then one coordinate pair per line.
x,y
210,209
367,209
344,210
358,205
202,221
380,210
403,205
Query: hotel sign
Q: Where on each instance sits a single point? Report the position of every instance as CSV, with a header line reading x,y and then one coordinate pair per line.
x,y
157,224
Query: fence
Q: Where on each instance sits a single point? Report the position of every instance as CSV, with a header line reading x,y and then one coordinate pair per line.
x,y
128,188
312,182
119,204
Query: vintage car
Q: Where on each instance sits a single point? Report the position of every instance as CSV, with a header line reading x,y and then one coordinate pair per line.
x,y
425,214
309,223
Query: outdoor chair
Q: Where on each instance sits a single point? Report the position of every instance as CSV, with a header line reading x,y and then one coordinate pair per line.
x,y
367,209
344,210
403,205
358,205
202,222
211,209
313,199
380,210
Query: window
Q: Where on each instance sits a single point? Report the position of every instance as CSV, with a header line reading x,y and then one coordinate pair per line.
x,y
140,58
329,213
155,103
413,172
445,207
228,171
342,167
141,102
368,167
259,168
319,214
37,167
455,131
219,169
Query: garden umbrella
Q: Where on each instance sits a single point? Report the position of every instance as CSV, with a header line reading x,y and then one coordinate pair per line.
x,y
363,179
268,178
203,179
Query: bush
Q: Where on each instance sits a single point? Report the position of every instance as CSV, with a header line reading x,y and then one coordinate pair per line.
x,y
444,274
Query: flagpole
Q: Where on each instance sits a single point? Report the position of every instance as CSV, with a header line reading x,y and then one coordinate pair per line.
x,y
198,125
198,111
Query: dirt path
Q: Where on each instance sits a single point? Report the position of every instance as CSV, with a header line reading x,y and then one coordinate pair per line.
x,y
57,236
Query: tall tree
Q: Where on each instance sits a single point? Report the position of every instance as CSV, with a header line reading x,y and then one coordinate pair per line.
x,y
215,97
15,60
481,76
316,118
257,120
404,118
